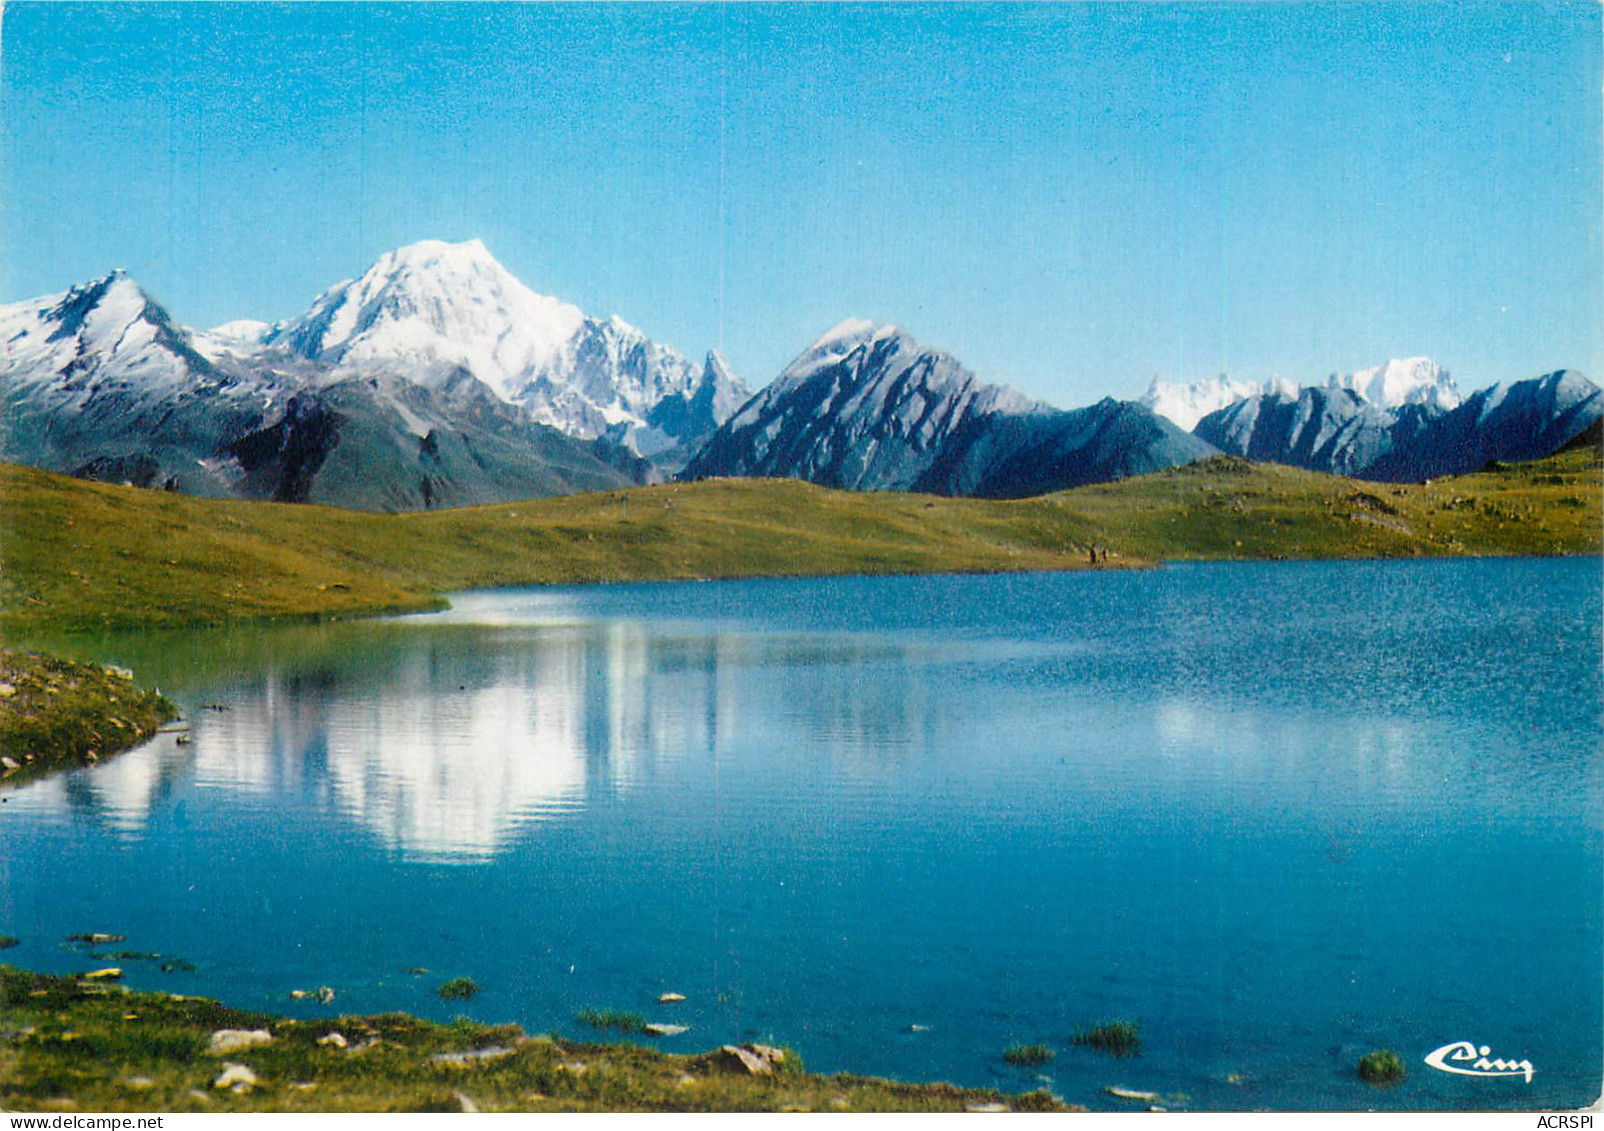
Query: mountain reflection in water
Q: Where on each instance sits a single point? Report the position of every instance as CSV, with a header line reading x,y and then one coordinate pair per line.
x,y
443,742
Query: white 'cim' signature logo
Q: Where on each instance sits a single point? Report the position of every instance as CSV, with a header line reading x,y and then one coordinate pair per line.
x,y
1463,1053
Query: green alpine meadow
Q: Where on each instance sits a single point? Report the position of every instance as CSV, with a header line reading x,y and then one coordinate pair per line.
x,y
79,555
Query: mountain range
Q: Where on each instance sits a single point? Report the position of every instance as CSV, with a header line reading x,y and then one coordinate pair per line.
x,y
867,407
437,378
1393,384
1335,429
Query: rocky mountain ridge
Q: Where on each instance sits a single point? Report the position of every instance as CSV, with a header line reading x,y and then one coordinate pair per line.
x,y
868,407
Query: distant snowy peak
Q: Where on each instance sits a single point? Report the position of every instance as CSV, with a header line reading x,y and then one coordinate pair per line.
x,y
243,330
847,333
720,392
1412,380
239,338
717,370
870,363
844,337
868,407
1185,405
679,421
1336,430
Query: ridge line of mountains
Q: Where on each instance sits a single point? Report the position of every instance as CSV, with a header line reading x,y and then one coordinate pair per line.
x,y
436,378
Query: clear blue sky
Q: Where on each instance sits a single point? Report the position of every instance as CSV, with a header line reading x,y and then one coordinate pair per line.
x,y
1071,198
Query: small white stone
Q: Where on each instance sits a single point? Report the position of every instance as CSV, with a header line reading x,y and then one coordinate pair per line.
x,y
237,1077
1131,1094
231,1040
471,1057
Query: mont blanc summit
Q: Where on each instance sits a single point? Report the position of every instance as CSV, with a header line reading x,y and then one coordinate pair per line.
x,y
433,309
436,307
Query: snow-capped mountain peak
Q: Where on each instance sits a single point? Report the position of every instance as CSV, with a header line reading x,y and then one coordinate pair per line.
x,y
106,330
1414,380
1401,381
838,342
435,310
844,335
438,307
103,312
242,337
721,388
242,330
1185,405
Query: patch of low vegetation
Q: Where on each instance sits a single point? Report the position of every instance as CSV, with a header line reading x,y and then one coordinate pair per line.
x,y
1381,1068
9,941
1115,1038
74,1046
612,1019
1027,1056
56,714
458,989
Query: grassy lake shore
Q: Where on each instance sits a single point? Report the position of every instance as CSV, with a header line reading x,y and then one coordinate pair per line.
x,y
79,555
80,1044
56,714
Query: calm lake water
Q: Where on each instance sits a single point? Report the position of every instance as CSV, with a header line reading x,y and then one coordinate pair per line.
x,y
1278,815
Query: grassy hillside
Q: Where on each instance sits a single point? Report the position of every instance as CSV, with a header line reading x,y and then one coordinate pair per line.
x,y
1228,507
81,554
75,554
85,1045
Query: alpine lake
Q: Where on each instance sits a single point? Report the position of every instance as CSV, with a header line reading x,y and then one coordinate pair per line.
x,y
1275,815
